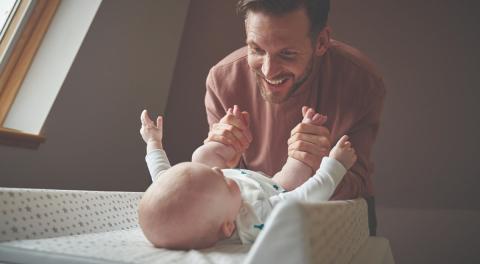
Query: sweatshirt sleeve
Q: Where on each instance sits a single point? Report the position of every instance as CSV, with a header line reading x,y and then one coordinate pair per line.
x,y
317,188
213,105
157,163
357,181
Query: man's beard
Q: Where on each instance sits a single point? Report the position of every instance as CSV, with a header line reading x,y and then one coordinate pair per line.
x,y
295,86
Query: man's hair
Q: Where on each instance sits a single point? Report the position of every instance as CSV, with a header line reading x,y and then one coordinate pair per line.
x,y
317,10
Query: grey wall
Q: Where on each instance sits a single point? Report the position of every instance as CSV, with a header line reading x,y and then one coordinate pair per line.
x,y
212,30
124,65
426,174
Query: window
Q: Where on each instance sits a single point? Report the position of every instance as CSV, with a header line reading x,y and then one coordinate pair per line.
x,y
7,10
23,25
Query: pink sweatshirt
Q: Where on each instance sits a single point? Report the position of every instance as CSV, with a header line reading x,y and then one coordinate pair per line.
x,y
343,85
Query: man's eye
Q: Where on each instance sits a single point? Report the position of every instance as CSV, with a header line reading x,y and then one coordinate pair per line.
x,y
256,51
288,54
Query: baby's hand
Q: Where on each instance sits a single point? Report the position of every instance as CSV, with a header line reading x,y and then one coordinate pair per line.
x,y
152,134
344,153
311,117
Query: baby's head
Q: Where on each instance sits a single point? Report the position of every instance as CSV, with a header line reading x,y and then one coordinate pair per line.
x,y
190,206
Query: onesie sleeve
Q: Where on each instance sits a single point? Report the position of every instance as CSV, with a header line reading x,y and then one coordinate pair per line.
x,y
317,188
157,163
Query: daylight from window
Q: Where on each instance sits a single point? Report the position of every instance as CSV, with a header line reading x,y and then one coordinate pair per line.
x,y
7,9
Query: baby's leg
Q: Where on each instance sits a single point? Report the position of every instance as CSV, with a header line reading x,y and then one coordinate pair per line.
x,y
214,154
294,173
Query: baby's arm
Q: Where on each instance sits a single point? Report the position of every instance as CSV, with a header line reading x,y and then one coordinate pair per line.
x,y
216,154
156,158
294,173
321,186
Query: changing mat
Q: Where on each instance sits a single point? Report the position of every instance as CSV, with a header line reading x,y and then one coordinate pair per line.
x,y
61,226
121,246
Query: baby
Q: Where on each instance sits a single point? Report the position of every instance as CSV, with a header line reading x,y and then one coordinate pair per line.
x,y
192,205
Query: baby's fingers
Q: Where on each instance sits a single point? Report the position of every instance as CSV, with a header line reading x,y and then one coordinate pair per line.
x,y
319,119
144,118
160,122
304,110
236,112
310,113
342,141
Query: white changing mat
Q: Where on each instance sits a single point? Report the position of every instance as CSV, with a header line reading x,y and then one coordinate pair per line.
x,y
121,246
62,226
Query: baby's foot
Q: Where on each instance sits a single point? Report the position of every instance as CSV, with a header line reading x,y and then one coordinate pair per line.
x,y
344,153
243,116
311,117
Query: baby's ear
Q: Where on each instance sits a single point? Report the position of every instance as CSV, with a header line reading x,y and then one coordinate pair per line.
x,y
227,228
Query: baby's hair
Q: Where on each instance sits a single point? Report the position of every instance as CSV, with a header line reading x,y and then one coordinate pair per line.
x,y
165,225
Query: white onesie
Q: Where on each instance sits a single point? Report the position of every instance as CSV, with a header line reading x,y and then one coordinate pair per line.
x,y
260,194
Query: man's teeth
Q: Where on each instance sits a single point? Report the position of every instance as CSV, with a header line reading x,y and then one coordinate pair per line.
x,y
276,82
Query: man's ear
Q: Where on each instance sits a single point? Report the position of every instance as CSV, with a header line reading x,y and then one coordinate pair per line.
x,y
323,41
227,228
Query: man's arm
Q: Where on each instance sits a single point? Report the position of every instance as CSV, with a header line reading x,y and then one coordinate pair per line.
x,y
357,182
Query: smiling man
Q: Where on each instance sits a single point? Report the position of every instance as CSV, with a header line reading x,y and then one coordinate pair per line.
x,y
290,61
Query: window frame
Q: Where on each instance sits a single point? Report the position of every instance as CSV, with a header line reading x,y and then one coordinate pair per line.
x,y
18,62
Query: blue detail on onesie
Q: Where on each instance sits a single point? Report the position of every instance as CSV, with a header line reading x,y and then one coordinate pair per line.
x,y
275,186
260,226
242,171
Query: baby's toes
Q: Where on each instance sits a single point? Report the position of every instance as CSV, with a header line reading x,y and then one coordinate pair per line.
x,y
310,113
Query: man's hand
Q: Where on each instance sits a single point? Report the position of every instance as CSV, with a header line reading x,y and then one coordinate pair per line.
x,y
232,130
152,134
309,143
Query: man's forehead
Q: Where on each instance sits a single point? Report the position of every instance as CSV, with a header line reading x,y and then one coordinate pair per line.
x,y
288,29
279,41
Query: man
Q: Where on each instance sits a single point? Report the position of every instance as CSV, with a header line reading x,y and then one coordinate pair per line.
x,y
289,62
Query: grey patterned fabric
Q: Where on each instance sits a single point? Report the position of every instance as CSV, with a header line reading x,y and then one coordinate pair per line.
x,y
40,213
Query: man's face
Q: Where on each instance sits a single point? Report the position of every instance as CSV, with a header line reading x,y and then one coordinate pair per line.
x,y
280,52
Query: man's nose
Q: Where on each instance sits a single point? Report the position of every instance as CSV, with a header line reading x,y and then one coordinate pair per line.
x,y
269,67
